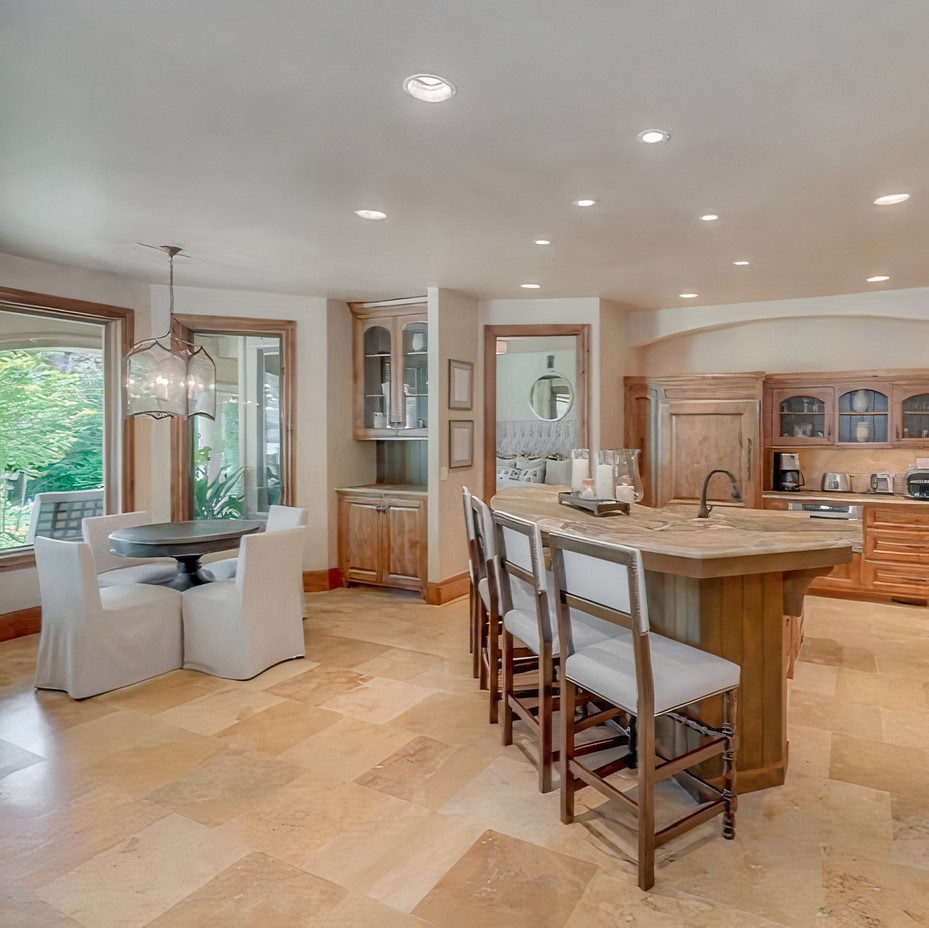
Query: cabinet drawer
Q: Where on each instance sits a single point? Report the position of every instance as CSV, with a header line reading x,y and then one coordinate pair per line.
x,y
843,577
902,547
908,517
906,580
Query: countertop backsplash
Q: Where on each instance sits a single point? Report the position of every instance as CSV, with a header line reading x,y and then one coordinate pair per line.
x,y
859,462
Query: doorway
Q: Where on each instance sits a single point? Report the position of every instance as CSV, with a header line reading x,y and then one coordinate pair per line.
x,y
541,408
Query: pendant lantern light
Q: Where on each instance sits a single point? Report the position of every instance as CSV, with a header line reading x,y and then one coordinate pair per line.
x,y
166,377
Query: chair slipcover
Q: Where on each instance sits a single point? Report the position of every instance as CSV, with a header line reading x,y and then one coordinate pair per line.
x,y
280,518
94,640
238,628
112,569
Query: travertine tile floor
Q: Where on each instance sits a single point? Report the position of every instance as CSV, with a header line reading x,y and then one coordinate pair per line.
x,y
363,787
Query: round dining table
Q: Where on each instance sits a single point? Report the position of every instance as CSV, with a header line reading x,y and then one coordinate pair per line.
x,y
187,542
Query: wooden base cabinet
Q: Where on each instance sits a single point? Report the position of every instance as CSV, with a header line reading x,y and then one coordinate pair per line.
x,y
382,538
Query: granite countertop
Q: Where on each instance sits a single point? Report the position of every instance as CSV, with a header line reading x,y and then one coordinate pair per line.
x,y
732,535
406,489
809,495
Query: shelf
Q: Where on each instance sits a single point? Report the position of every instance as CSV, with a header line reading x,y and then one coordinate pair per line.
x,y
381,354
414,354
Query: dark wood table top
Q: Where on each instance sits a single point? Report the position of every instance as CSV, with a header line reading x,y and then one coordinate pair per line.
x,y
173,539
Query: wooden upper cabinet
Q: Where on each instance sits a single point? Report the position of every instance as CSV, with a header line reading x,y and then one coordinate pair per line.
x,y
863,413
800,416
911,413
689,425
391,373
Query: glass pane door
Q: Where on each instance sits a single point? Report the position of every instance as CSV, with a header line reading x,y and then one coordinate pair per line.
x,y
863,416
377,373
236,459
415,375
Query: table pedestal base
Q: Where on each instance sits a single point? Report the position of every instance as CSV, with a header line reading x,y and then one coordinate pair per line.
x,y
188,573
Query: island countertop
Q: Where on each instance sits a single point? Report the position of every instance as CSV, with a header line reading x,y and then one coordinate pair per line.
x,y
731,541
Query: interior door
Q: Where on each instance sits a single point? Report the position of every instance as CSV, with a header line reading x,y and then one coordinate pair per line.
x,y
696,436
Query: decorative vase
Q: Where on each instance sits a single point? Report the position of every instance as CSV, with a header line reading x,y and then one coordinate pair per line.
x,y
862,431
860,401
626,475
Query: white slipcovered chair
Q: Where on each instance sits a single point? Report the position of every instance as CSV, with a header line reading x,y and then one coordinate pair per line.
x,y
238,628
113,569
94,640
280,518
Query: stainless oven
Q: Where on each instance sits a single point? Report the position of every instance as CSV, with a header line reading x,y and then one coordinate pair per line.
x,y
827,510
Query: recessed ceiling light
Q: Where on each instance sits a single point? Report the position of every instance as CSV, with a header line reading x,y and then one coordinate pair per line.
x,y
651,136
430,88
530,286
688,296
740,263
878,278
542,241
370,214
709,217
585,202
891,199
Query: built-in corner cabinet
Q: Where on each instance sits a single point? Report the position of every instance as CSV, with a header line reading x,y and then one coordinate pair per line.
x,y
888,408
383,536
391,371
688,425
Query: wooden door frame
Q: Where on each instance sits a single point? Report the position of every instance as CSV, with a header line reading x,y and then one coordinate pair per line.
x,y
581,387
182,327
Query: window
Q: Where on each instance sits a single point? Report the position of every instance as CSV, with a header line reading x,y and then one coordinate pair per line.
x,y
240,464
61,430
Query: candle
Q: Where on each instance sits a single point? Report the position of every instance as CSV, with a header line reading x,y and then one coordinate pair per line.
x,y
578,473
603,486
625,493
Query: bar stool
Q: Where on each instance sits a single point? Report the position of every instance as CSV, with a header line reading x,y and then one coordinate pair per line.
x,y
646,675
527,615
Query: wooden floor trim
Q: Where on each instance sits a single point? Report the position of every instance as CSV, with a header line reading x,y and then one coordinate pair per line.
x,y
319,581
20,623
437,594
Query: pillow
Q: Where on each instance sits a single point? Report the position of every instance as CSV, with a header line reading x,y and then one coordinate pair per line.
x,y
508,473
532,474
558,473
505,461
525,459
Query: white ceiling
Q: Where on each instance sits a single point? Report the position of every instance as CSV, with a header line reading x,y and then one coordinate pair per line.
x,y
248,132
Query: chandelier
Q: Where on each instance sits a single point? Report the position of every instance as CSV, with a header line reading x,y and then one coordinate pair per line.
x,y
170,377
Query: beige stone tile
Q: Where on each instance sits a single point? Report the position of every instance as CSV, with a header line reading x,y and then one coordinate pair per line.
x,y
216,711
143,876
256,890
887,690
880,766
814,678
319,685
164,692
357,911
39,789
503,880
910,828
379,700
906,728
399,664
13,758
835,652
454,719
225,785
814,710
809,751
336,651
612,899
274,730
286,670
347,748
22,908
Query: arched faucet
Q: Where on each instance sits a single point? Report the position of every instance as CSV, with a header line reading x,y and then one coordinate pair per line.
x,y
705,510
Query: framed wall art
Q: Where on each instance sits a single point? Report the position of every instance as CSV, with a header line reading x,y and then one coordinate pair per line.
x,y
460,442
460,384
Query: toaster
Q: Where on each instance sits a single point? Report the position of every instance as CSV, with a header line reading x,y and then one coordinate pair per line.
x,y
882,482
917,484
838,483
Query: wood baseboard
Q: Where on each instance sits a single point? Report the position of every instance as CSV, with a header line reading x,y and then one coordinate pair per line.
x,y
20,623
319,581
437,594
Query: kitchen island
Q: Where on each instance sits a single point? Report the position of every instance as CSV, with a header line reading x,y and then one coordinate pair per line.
x,y
731,584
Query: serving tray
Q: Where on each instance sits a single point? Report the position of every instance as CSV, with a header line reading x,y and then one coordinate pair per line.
x,y
598,507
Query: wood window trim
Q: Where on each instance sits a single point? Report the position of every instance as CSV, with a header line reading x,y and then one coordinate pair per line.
x,y
83,309
183,327
491,333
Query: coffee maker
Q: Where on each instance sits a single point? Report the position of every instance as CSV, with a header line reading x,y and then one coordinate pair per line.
x,y
787,473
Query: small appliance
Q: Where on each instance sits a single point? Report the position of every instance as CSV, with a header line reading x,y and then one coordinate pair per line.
x,y
787,473
917,484
839,483
882,482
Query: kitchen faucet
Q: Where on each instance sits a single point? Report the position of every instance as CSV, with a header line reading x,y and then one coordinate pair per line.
x,y
705,510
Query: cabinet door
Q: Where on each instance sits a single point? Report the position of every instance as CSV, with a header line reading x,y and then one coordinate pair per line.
x,y
696,436
373,375
405,544
863,413
361,540
411,374
911,413
801,416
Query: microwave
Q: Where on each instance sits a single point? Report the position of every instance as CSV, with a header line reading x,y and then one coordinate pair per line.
x,y
917,484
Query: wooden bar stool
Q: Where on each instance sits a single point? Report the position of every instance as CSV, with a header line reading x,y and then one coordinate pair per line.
x,y
646,675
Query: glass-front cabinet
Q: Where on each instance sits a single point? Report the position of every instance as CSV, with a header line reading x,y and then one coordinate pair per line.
x,y
803,416
911,409
863,414
391,373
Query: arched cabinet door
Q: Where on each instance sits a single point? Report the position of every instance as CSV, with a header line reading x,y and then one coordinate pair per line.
x,y
863,413
802,416
911,413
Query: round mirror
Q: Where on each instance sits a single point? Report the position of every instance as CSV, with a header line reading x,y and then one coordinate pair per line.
x,y
551,396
